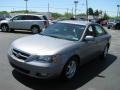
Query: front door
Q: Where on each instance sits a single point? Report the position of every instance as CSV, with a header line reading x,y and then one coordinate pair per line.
x,y
89,48
16,22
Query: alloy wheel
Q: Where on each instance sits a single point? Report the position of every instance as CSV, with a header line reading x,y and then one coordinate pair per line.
x,y
71,69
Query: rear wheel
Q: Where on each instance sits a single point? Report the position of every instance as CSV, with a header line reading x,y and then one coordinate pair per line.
x,y
108,27
11,30
4,28
70,69
105,53
35,29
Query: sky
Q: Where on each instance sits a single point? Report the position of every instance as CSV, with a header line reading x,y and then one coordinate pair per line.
x,y
61,6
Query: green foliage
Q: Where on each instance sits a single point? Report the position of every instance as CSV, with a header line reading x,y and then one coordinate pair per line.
x,y
106,16
56,15
3,12
82,14
90,11
20,11
96,13
68,15
100,12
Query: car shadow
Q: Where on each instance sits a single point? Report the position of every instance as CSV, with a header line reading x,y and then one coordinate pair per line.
x,y
86,73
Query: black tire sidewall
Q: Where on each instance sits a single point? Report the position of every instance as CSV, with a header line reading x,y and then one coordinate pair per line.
x,y
5,26
102,56
35,27
63,75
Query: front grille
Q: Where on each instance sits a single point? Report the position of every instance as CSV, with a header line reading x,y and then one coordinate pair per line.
x,y
20,55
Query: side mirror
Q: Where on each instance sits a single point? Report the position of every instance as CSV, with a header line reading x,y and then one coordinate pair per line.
x,y
89,38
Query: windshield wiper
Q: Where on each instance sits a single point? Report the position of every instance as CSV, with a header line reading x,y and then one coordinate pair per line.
x,y
55,36
50,35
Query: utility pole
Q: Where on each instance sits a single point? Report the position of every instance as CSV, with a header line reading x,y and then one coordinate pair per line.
x,y
118,12
26,6
72,12
75,2
48,7
87,9
48,15
13,9
67,10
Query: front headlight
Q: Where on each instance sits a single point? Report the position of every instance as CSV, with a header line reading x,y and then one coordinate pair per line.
x,y
48,59
44,59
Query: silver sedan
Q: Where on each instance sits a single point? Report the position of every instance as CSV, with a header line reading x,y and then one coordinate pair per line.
x,y
59,50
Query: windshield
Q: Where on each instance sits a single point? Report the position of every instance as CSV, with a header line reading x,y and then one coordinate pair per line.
x,y
64,31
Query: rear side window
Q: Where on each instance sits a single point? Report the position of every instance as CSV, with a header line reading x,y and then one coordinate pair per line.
x,y
35,18
90,31
99,30
45,18
31,18
17,18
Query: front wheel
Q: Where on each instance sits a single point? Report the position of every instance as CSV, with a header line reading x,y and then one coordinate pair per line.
x,y
4,28
11,30
70,69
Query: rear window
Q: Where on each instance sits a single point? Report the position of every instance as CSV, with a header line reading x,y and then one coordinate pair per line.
x,y
45,18
31,18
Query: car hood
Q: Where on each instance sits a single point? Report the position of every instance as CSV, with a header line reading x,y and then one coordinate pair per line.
x,y
41,45
4,21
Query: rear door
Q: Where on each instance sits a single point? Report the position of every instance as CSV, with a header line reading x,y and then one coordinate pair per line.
x,y
30,20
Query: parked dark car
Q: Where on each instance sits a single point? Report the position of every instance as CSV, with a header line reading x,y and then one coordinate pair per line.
x,y
114,24
103,22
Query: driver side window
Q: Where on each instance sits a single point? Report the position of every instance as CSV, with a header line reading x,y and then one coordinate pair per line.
x,y
90,31
17,18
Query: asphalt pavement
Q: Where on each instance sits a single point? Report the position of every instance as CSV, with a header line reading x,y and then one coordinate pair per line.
x,y
96,75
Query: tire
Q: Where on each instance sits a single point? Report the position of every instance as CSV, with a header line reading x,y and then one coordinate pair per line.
x,y
35,29
70,69
4,28
108,27
11,30
117,26
104,53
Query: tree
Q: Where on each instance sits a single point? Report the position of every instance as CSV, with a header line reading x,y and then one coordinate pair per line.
x,y
100,12
68,15
81,14
3,12
20,11
90,11
96,13
106,16
56,15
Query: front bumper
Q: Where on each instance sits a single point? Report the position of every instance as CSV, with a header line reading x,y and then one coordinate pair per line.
x,y
35,69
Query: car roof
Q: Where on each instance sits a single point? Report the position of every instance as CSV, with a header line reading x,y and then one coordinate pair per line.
x,y
78,22
31,15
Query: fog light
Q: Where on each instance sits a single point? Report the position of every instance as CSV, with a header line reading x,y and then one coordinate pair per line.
x,y
44,74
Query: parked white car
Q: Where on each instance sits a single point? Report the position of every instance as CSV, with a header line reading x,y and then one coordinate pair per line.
x,y
35,23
